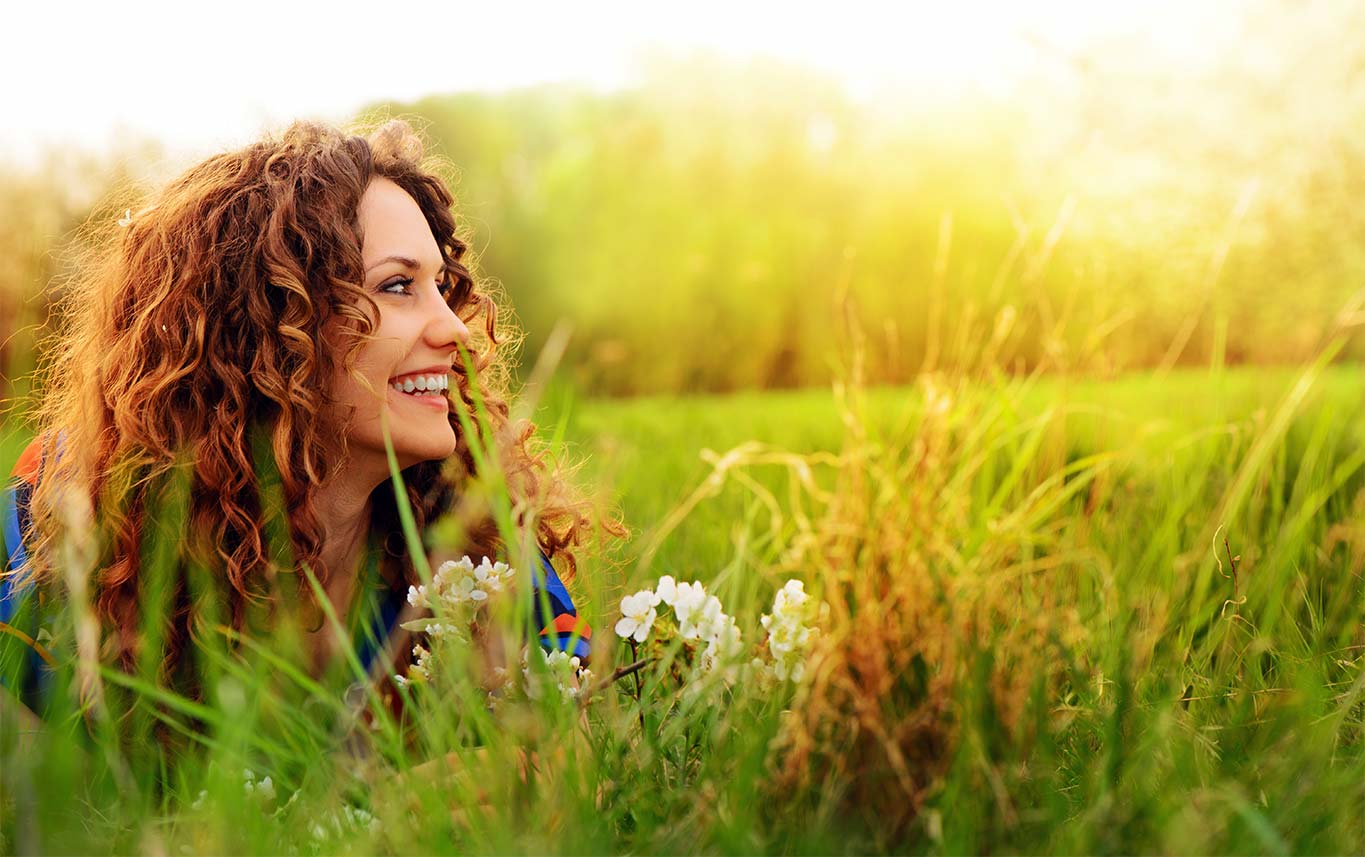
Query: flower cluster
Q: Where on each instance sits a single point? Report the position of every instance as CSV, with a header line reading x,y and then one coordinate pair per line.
x,y
261,791
699,616
457,590
351,820
455,593
460,584
563,674
419,669
789,634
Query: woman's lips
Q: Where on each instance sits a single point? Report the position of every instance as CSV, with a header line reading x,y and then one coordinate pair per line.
x,y
432,401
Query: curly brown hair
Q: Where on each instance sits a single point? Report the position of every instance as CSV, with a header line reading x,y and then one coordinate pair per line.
x,y
209,316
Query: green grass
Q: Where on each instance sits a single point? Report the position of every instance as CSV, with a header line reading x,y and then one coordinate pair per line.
x,y
1033,646
645,453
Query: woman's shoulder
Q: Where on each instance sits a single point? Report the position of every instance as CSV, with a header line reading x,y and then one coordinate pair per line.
x,y
21,656
16,517
24,478
562,628
30,460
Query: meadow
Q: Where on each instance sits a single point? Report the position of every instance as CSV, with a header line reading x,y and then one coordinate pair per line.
x,y
1038,641
1052,401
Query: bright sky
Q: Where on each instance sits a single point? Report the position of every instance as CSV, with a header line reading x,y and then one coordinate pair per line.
x,y
202,76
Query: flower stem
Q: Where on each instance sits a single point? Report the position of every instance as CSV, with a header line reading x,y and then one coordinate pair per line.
x,y
635,656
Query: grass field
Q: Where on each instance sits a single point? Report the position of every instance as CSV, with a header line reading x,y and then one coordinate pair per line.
x,y
1037,641
645,453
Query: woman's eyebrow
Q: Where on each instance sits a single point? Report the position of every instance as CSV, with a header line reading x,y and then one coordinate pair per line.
x,y
405,261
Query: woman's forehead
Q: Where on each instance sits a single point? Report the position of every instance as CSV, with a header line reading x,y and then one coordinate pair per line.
x,y
392,224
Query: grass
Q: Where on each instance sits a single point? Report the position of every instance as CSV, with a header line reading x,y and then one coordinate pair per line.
x,y
1037,641
646,452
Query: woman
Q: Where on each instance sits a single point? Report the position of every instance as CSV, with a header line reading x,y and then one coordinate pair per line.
x,y
287,302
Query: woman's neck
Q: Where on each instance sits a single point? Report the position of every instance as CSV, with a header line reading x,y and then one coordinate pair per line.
x,y
342,506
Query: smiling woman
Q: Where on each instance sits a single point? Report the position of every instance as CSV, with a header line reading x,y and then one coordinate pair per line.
x,y
303,301
415,339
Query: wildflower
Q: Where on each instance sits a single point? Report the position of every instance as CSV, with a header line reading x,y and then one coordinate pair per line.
x,y
637,615
789,636
667,590
417,596
700,617
762,674
566,673
723,647
349,820
445,629
703,618
492,576
263,790
725,638
688,598
457,589
468,590
418,670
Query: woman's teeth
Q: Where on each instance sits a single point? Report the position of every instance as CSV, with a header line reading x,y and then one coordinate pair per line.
x,y
423,385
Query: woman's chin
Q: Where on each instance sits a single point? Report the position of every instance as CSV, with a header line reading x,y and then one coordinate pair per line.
x,y
428,449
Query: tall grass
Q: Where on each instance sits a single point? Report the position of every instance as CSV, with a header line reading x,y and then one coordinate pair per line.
x,y
1058,622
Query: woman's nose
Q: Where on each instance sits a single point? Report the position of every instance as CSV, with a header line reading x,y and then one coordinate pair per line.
x,y
446,329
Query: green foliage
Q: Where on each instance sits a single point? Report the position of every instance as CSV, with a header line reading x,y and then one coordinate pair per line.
x,y
1079,610
702,229
1178,709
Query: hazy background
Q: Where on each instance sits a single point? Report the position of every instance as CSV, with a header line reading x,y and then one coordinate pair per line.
x,y
701,192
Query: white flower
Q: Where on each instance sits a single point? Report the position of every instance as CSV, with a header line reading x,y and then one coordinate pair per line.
x,y
789,669
703,619
566,674
790,597
418,671
687,598
725,640
762,674
441,630
492,576
417,596
723,649
349,820
459,584
789,636
637,615
667,590
585,677
262,790
469,591
454,594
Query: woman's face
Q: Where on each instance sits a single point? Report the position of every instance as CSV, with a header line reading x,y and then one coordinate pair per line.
x,y
414,346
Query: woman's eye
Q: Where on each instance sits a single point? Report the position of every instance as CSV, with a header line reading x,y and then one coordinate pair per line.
x,y
397,287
